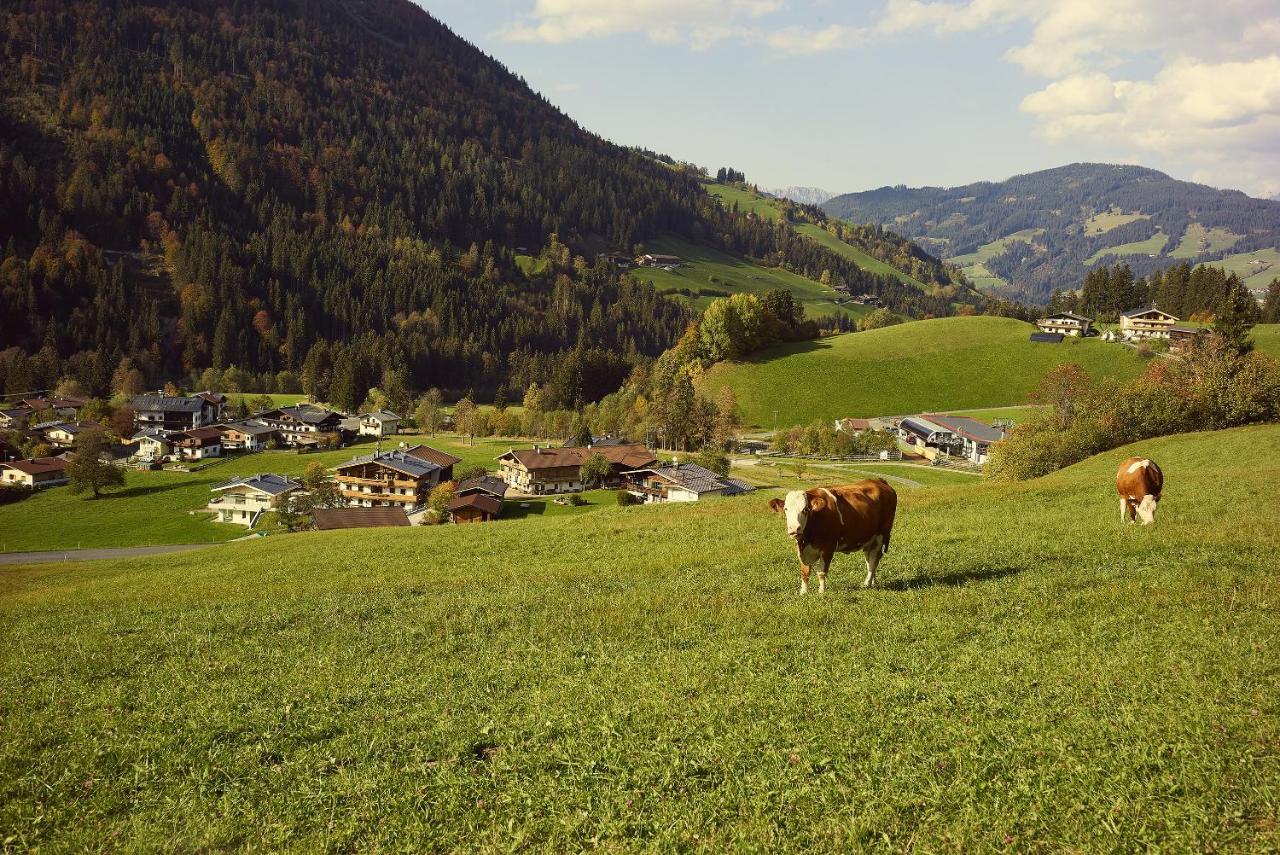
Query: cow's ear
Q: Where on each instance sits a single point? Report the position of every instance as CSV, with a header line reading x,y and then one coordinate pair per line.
x,y
776,505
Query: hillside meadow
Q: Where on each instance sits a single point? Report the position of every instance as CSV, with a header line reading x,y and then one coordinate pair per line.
x,y
1032,675
935,365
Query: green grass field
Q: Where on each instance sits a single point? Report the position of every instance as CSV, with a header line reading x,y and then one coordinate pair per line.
x,y
735,275
937,365
974,263
761,206
780,472
1151,246
989,414
153,507
1108,220
1197,239
1266,339
1256,269
279,399
1031,676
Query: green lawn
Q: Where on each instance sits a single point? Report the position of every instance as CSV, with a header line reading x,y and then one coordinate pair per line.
x,y
1151,246
1197,239
279,399
989,414
1031,676
762,206
974,263
780,472
153,508
1266,339
936,365
735,275
1256,269
1108,220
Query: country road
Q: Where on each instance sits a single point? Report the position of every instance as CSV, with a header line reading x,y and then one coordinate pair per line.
x,y
94,554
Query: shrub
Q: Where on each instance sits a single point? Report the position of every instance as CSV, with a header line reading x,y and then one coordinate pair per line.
x,y
10,493
626,499
575,500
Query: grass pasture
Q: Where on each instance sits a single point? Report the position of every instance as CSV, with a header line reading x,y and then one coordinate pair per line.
x,y
1256,269
1030,676
762,206
1151,246
1108,220
1266,339
153,507
281,399
1197,239
974,263
733,275
936,365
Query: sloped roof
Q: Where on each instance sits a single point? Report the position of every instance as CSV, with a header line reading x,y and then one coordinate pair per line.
x,y
443,459
1071,315
698,479
38,465
922,426
967,427
480,501
400,461
273,485
381,415
306,414
327,519
249,426
1133,313
204,433
167,403
485,484
631,456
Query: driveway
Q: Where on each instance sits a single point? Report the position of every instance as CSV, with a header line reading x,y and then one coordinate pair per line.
x,y
95,554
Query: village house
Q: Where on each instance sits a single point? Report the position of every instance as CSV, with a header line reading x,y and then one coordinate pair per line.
x,y
303,424
403,477
57,405
199,443
1183,337
328,519
177,412
15,418
243,500
155,444
379,423
853,425
246,435
35,472
1151,322
1066,323
971,438
66,434
541,471
617,259
658,260
477,500
680,482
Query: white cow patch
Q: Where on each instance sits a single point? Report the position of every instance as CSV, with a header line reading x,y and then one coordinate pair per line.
x,y
1141,464
1147,509
796,508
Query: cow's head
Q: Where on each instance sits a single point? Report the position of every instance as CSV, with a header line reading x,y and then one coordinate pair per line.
x,y
795,507
1147,509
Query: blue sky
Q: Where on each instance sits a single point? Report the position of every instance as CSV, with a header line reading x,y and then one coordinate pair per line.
x,y
850,96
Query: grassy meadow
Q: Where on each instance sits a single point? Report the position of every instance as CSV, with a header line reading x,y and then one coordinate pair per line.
x,y
1256,269
1266,339
733,275
1150,246
974,263
153,507
1197,239
937,365
1030,676
1111,219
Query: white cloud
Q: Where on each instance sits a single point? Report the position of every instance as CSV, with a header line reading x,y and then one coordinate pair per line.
x,y
1209,103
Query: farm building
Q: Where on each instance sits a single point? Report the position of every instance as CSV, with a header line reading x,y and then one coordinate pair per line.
x,y
652,260
177,412
35,472
1067,323
618,259
680,482
920,431
1181,337
1151,322
400,478
15,418
64,407
477,499
243,500
538,471
972,438
379,423
853,425
327,519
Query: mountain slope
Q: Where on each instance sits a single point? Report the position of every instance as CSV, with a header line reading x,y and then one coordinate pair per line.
x,y
1036,232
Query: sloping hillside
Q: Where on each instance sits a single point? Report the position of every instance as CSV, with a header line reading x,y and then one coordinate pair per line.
x,y
1036,232
1031,676
942,364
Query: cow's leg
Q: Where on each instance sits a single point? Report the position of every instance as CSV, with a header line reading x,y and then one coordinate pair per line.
x,y
1124,509
872,551
804,579
822,574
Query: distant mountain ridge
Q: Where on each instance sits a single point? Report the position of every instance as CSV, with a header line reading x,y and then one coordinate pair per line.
x,y
803,195
1033,233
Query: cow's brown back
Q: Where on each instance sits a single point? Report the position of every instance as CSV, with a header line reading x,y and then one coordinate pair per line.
x,y
1135,482
860,512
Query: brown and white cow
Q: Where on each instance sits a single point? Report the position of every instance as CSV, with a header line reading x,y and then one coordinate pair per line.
x,y
1139,483
845,519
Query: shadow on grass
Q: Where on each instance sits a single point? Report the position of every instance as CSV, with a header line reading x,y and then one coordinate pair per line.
x,y
952,580
513,511
133,492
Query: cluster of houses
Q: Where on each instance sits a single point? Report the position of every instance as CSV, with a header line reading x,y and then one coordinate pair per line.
x,y
949,435
1135,325
626,262
53,420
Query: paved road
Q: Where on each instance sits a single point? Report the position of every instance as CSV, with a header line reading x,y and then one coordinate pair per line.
x,y
92,554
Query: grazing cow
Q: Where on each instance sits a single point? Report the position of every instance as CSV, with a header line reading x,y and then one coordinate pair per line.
x,y
1139,483
840,519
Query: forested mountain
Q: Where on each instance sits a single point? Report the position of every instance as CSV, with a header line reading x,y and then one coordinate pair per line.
x,y
324,191
1037,232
